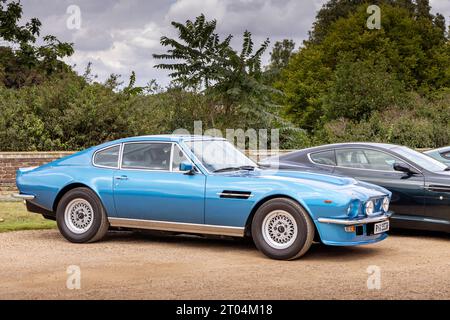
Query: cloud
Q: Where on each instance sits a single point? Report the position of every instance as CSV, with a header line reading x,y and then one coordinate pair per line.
x,y
119,36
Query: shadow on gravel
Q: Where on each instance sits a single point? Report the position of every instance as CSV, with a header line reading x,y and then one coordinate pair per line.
x,y
185,239
419,234
317,251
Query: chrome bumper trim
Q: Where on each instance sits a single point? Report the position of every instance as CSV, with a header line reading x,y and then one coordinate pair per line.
x,y
23,196
354,222
177,227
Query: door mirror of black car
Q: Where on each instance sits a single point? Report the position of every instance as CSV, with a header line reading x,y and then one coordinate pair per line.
x,y
403,167
187,168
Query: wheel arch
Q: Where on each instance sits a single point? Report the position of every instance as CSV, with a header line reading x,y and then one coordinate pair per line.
x,y
66,189
248,223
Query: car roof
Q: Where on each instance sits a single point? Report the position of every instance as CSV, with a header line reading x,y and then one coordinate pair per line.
x,y
443,149
165,137
343,145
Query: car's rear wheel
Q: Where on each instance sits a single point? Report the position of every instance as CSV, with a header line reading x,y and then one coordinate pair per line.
x,y
80,216
282,229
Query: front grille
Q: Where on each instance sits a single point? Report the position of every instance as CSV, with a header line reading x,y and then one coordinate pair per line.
x,y
378,204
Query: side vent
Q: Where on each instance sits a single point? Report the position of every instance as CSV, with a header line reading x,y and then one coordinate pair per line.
x,y
438,188
230,194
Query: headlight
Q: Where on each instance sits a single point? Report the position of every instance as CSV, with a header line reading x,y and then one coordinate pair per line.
x,y
385,205
369,208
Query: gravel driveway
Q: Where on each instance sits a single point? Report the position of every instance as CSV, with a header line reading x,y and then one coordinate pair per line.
x,y
33,265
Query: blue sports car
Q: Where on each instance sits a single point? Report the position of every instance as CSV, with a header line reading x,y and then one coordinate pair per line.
x,y
202,185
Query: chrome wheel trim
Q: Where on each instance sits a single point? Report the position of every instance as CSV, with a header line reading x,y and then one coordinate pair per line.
x,y
79,216
279,229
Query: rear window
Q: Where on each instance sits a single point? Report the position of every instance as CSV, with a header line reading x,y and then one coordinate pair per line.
x,y
108,157
324,157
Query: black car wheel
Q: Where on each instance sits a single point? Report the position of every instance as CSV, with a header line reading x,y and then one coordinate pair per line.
x,y
80,216
282,229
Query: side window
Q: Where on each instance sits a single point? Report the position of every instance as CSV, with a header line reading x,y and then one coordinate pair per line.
x,y
178,157
148,156
446,155
351,158
365,159
325,157
108,157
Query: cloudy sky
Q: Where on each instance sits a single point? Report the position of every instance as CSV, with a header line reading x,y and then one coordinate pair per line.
x,y
118,36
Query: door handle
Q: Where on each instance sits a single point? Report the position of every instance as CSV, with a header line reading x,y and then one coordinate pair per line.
x,y
122,178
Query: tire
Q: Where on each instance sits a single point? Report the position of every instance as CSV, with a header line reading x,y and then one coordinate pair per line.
x,y
80,216
289,242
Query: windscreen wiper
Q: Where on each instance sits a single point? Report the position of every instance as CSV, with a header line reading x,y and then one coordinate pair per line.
x,y
249,168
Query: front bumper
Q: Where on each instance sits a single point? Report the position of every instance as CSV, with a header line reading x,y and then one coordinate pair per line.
x,y
355,222
333,231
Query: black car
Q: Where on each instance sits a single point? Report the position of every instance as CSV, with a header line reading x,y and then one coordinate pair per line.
x,y
420,185
441,155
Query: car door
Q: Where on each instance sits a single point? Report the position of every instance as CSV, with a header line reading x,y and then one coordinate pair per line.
x,y
375,166
437,199
149,185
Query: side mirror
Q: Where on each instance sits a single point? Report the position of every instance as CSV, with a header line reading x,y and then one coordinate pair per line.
x,y
187,167
403,167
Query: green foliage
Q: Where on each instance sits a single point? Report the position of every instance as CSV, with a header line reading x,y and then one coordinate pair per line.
x,y
201,53
279,59
347,70
70,113
29,64
424,124
360,88
231,81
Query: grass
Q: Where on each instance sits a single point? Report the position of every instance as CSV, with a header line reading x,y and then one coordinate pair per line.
x,y
14,217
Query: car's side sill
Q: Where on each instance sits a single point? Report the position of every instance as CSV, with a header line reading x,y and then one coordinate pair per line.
x,y
177,227
420,219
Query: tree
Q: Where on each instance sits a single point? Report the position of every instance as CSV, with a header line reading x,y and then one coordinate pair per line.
x,y
330,12
25,63
415,52
198,56
281,53
279,58
333,10
423,9
439,22
361,88
231,80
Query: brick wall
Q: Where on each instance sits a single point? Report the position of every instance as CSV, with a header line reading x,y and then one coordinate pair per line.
x,y
11,161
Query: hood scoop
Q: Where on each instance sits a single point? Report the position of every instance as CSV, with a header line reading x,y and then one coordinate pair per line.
x,y
232,194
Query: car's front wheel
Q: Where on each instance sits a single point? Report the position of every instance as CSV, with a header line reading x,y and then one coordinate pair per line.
x,y
80,216
282,229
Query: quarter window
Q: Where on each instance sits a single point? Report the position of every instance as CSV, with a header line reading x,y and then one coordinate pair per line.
x,y
325,157
108,157
365,159
178,157
147,156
